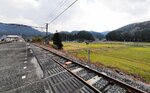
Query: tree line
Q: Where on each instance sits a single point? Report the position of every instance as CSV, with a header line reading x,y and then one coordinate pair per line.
x,y
57,38
80,36
136,36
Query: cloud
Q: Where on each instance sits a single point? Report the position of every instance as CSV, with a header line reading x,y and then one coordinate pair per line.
x,y
16,8
99,15
19,19
133,7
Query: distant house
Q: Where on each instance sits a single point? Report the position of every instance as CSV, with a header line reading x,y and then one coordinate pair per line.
x,y
11,38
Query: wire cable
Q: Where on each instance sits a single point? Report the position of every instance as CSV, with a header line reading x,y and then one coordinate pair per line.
x,y
58,6
62,12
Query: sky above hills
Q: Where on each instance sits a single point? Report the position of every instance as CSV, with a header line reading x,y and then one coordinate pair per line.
x,y
97,15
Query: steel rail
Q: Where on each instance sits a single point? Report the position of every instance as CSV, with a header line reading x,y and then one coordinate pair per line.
x,y
128,87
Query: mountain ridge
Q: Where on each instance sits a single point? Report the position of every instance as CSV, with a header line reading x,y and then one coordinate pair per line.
x,y
133,32
18,29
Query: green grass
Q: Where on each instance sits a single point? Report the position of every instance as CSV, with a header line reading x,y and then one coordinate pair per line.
x,y
133,58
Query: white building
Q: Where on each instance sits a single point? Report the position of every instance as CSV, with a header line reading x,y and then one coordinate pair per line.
x,y
11,38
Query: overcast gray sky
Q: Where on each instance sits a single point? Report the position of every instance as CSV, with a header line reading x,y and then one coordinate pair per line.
x,y
96,15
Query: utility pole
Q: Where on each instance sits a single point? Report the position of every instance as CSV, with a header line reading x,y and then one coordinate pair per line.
x,y
46,29
46,37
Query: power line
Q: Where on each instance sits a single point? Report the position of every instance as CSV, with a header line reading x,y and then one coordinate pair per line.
x,y
58,6
63,12
53,11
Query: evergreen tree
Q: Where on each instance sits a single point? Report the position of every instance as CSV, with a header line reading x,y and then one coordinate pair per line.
x,y
57,41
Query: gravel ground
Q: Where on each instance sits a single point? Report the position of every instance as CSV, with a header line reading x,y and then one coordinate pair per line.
x,y
101,84
116,89
123,77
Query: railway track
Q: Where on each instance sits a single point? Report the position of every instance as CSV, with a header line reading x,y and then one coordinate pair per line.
x,y
99,82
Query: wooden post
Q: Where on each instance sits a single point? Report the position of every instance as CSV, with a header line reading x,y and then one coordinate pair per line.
x,y
89,55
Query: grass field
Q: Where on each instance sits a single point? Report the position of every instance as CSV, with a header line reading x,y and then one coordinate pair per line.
x,y
132,58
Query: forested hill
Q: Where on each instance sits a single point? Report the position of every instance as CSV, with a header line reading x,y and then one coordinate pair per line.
x,y
81,35
133,32
17,29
